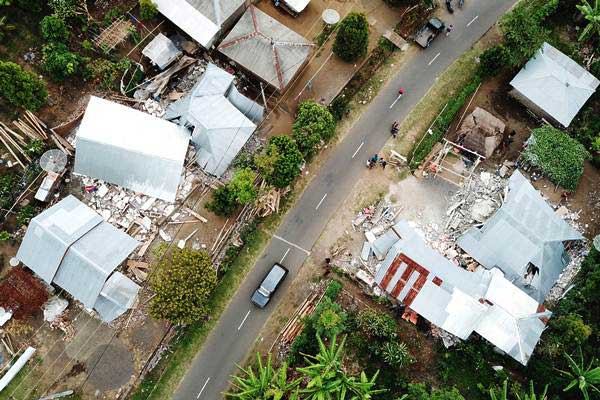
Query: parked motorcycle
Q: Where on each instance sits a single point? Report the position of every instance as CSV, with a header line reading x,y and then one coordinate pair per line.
x,y
449,6
394,130
461,3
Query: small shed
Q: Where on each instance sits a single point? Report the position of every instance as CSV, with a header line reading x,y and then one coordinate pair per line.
x,y
131,149
161,51
554,86
481,132
202,20
222,119
266,48
71,246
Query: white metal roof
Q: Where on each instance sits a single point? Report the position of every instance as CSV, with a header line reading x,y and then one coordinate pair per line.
x,y
556,84
161,51
130,148
190,20
297,5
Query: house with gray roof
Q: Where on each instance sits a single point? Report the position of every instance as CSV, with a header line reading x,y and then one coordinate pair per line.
x,y
266,48
71,246
220,117
203,20
554,86
524,239
456,300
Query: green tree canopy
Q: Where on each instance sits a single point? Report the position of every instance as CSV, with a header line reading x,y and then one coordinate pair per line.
x,y
21,88
493,60
280,162
559,156
54,29
242,185
314,123
352,39
183,281
59,62
148,10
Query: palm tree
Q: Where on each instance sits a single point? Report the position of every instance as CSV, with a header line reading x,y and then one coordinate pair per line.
x,y
266,384
503,394
582,377
592,16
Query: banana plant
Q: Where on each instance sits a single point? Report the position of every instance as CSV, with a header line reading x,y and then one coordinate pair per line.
x,y
582,377
503,394
592,16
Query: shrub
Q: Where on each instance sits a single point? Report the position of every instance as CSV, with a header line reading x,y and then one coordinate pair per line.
x,y
493,60
352,39
59,62
104,72
21,88
333,289
223,202
63,9
329,319
54,29
586,129
375,325
5,236
280,162
340,107
395,354
566,332
8,183
559,156
398,3
314,123
25,214
182,282
242,185
35,148
148,9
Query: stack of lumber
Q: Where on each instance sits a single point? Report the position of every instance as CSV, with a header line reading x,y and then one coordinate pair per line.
x,y
36,129
296,323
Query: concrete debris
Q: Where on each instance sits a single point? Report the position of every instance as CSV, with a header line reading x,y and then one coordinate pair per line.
x,y
54,308
482,209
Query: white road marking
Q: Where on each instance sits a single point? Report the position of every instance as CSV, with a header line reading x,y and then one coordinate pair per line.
x,y
434,58
292,244
473,20
203,387
320,202
244,320
286,253
358,149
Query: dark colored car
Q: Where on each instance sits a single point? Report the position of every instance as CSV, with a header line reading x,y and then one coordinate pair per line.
x,y
427,33
269,285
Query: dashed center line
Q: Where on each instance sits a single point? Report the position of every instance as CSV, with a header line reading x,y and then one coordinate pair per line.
x,y
320,202
434,58
244,320
473,20
203,387
358,149
284,255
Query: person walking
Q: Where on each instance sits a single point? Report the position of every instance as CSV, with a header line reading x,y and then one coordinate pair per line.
x,y
383,163
449,29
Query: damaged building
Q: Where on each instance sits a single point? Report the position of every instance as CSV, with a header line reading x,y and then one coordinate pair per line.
x,y
161,51
131,149
221,119
456,300
266,48
481,132
525,239
71,246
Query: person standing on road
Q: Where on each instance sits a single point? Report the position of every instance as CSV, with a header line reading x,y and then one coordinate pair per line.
x,y
449,29
383,163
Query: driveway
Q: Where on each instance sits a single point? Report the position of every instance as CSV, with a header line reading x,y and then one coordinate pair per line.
x,y
241,323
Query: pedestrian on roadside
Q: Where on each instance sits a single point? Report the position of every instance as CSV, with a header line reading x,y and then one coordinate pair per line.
x,y
383,163
449,29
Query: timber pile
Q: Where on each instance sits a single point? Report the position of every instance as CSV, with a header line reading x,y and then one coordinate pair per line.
x,y
15,144
268,203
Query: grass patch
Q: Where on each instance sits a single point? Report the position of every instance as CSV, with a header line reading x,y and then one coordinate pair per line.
x,y
19,385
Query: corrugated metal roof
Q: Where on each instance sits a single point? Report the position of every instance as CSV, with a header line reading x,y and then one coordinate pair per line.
x,y
220,116
130,148
297,5
556,84
117,296
267,48
161,51
71,246
524,230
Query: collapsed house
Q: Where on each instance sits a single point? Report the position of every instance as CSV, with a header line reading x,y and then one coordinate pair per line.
x,y
456,300
72,247
524,239
131,149
161,51
481,132
266,48
202,20
553,86
221,118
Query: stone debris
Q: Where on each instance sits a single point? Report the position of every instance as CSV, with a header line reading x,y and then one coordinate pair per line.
x,y
54,308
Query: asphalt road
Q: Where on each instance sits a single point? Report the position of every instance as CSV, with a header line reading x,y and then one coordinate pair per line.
x,y
241,322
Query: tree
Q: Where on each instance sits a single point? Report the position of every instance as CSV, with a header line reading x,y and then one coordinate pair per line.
x,y
148,9
63,9
565,334
266,384
21,88
352,39
280,162
182,281
242,185
329,319
314,123
493,60
557,155
54,29
585,378
592,16
59,62
223,202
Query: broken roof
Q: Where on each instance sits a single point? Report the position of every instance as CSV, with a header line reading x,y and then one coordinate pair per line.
x,y
131,149
161,51
524,231
222,119
70,245
459,301
201,19
555,83
482,132
267,48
